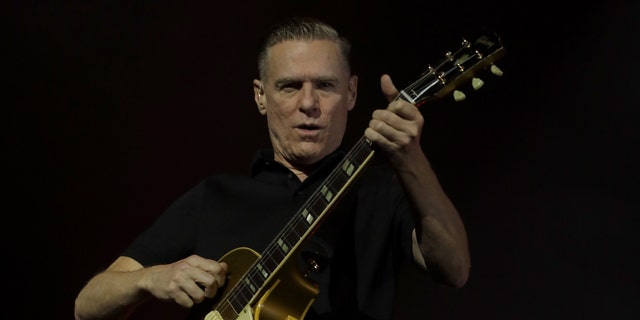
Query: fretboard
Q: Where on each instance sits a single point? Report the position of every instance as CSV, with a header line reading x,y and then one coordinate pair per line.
x,y
309,216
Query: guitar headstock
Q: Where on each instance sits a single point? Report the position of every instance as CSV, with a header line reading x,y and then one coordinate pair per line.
x,y
457,67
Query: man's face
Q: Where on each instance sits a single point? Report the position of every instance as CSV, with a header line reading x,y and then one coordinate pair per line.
x,y
306,95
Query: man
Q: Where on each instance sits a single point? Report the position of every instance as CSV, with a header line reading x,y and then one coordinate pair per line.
x,y
396,209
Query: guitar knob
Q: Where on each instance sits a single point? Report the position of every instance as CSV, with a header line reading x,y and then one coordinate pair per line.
x,y
495,70
315,262
458,95
477,83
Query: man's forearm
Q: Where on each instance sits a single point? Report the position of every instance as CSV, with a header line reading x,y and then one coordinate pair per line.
x,y
440,232
110,295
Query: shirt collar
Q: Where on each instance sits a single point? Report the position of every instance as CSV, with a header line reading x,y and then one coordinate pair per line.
x,y
263,159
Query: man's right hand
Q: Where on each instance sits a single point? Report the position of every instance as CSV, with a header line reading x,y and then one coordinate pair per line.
x,y
114,293
187,281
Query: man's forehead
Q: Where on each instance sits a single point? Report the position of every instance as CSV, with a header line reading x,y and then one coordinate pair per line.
x,y
305,60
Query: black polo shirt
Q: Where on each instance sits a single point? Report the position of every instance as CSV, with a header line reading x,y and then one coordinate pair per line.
x,y
360,245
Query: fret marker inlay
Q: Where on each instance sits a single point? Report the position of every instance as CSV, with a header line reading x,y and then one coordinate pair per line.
x,y
264,273
283,246
348,167
307,216
327,193
251,286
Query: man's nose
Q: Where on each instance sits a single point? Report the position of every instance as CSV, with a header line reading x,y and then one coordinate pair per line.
x,y
309,98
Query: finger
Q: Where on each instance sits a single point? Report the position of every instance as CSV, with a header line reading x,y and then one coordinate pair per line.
x,y
211,267
218,272
388,89
220,279
391,135
394,120
380,140
184,299
221,276
209,275
385,125
405,110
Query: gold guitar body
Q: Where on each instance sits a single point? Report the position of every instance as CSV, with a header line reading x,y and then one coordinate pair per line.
x,y
287,296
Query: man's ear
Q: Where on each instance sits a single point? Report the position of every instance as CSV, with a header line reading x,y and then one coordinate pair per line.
x,y
353,91
258,96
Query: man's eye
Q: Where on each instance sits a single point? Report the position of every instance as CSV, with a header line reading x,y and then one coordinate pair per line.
x,y
290,87
325,85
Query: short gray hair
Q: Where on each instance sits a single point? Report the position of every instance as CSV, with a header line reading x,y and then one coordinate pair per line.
x,y
302,28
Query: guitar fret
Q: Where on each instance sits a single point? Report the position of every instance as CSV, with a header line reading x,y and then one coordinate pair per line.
x,y
318,206
237,305
226,310
362,152
255,280
292,237
277,256
248,287
246,297
340,180
269,260
300,228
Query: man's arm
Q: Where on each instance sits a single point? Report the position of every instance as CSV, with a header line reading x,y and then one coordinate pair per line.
x,y
116,292
113,293
440,240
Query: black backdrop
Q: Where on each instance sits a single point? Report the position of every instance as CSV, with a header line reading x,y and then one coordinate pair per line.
x,y
114,108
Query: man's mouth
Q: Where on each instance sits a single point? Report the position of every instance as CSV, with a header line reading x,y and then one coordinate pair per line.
x,y
308,129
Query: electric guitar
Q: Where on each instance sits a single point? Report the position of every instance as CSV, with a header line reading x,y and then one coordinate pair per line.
x,y
270,285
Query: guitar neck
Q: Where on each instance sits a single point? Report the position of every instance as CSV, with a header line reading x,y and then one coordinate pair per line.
x,y
302,224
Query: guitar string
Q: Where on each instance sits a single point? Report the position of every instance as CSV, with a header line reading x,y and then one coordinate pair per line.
x,y
433,71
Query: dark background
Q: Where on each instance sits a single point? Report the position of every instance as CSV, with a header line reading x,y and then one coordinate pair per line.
x,y
114,108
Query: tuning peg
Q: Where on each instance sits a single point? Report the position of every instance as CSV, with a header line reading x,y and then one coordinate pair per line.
x,y
477,83
458,95
495,70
